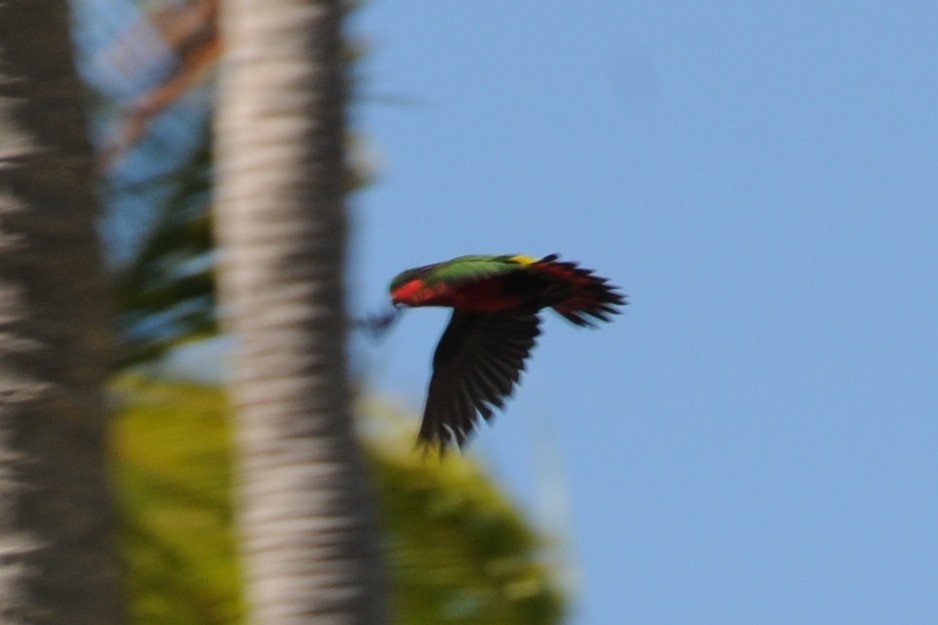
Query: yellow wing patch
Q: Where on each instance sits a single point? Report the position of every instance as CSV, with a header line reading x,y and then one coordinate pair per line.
x,y
523,260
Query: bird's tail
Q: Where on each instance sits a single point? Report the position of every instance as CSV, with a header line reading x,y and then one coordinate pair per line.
x,y
586,296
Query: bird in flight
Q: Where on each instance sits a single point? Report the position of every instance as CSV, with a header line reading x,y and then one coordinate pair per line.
x,y
496,301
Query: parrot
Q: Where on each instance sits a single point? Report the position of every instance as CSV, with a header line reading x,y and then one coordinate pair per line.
x,y
496,301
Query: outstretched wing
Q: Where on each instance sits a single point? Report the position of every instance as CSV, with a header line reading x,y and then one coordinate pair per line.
x,y
476,365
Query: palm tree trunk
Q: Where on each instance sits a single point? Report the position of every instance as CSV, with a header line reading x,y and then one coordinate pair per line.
x,y
57,557
310,544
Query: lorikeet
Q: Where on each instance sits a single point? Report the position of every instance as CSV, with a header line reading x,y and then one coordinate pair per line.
x,y
495,302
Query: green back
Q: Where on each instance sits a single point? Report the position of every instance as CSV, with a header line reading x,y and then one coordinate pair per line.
x,y
472,268
463,268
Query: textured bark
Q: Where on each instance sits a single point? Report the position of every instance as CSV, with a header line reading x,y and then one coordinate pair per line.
x,y
310,545
57,558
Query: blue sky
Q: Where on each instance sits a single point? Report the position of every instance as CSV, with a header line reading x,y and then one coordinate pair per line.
x,y
755,438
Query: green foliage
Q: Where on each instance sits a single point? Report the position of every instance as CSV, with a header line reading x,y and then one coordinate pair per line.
x,y
458,551
171,443
166,294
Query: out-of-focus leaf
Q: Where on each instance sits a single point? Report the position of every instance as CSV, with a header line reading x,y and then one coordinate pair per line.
x,y
458,550
166,295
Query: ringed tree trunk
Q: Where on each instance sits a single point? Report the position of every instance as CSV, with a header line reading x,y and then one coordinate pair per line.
x,y
310,545
57,556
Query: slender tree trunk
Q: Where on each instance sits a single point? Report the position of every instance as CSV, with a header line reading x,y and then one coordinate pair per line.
x,y
310,544
57,558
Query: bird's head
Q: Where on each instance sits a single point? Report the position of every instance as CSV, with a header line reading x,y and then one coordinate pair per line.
x,y
407,285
